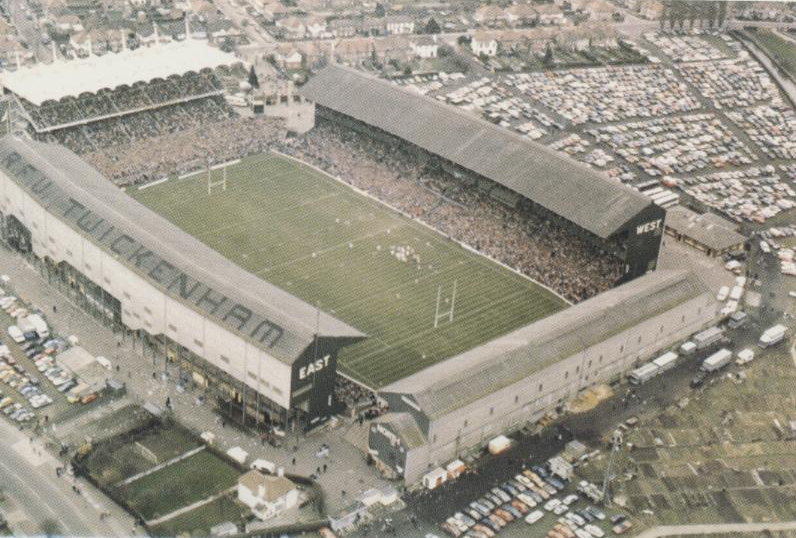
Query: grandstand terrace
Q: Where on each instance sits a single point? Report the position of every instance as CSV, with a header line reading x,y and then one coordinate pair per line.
x,y
88,104
513,169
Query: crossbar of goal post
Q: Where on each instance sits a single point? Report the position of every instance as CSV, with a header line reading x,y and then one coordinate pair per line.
x,y
448,314
218,183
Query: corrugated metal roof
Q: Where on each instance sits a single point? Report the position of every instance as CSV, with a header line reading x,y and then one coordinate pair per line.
x,y
563,186
705,230
513,357
33,164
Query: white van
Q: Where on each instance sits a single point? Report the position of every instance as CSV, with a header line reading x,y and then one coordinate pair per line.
x,y
263,465
16,334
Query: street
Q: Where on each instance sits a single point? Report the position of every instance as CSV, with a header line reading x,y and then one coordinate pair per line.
x,y
37,502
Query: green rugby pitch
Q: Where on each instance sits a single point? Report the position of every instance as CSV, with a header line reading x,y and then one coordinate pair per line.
x,y
325,243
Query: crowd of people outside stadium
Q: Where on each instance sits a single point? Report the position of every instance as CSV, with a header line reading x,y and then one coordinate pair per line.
x,y
535,244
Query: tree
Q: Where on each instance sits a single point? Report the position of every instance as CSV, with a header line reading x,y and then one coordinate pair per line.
x,y
253,81
379,11
463,40
548,56
432,27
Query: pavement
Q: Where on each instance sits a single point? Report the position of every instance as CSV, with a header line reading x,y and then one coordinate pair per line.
x,y
347,474
722,528
36,501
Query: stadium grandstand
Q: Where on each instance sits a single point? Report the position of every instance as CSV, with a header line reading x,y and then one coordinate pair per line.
x,y
269,357
526,373
109,107
515,171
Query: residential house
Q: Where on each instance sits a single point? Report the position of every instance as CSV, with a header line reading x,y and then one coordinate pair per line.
x,y
266,495
354,50
549,14
273,11
343,27
484,43
316,26
399,24
293,27
372,26
598,10
489,15
288,57
425,47
520,15
68,24
392,48
7,31
651,9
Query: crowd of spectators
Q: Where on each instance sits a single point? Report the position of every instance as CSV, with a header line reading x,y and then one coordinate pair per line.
x,y
122,100
536,244
182,151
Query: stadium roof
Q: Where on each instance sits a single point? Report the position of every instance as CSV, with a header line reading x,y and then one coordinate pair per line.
x,y
517,355
53,81
567,188
713,233
187,260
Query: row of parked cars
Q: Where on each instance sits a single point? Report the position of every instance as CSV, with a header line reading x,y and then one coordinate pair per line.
x,y
529,496
14,374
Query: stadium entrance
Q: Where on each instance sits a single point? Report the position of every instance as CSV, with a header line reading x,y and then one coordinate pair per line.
x,y
16,234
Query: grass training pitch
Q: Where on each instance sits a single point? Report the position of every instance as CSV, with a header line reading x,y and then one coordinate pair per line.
x,y
356,259
179,485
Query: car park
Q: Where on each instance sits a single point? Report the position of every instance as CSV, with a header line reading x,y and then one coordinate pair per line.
x,y
534,516
595,531
551,504
575,518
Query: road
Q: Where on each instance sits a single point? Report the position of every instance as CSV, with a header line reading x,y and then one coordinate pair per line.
x,y
680,530
39,502
29,30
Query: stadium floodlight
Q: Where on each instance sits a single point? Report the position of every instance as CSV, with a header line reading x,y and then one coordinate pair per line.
x,y
218,183
449,313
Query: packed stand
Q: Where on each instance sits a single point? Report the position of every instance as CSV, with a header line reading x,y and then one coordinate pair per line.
x,y
151,158
122,100
536,245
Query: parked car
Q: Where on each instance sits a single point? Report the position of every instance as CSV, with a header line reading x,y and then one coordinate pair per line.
x,y
534,516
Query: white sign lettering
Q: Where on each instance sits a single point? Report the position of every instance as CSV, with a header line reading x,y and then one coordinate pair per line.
x,y
650,226
315,366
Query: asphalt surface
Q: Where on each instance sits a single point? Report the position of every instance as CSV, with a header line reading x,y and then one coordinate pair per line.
x,y
39,502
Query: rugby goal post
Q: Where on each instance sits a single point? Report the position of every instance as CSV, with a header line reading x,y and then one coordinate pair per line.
x,y
438,315
212,184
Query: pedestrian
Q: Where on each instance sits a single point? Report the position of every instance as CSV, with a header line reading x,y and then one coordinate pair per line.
x,y
294,461
324,467
55,309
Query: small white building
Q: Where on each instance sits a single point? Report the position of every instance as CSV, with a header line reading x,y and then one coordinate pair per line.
x,y
266,495
399,25
425,47
484,44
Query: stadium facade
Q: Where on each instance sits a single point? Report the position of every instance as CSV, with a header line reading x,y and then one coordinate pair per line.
x,y
513,168
267,354
518,378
